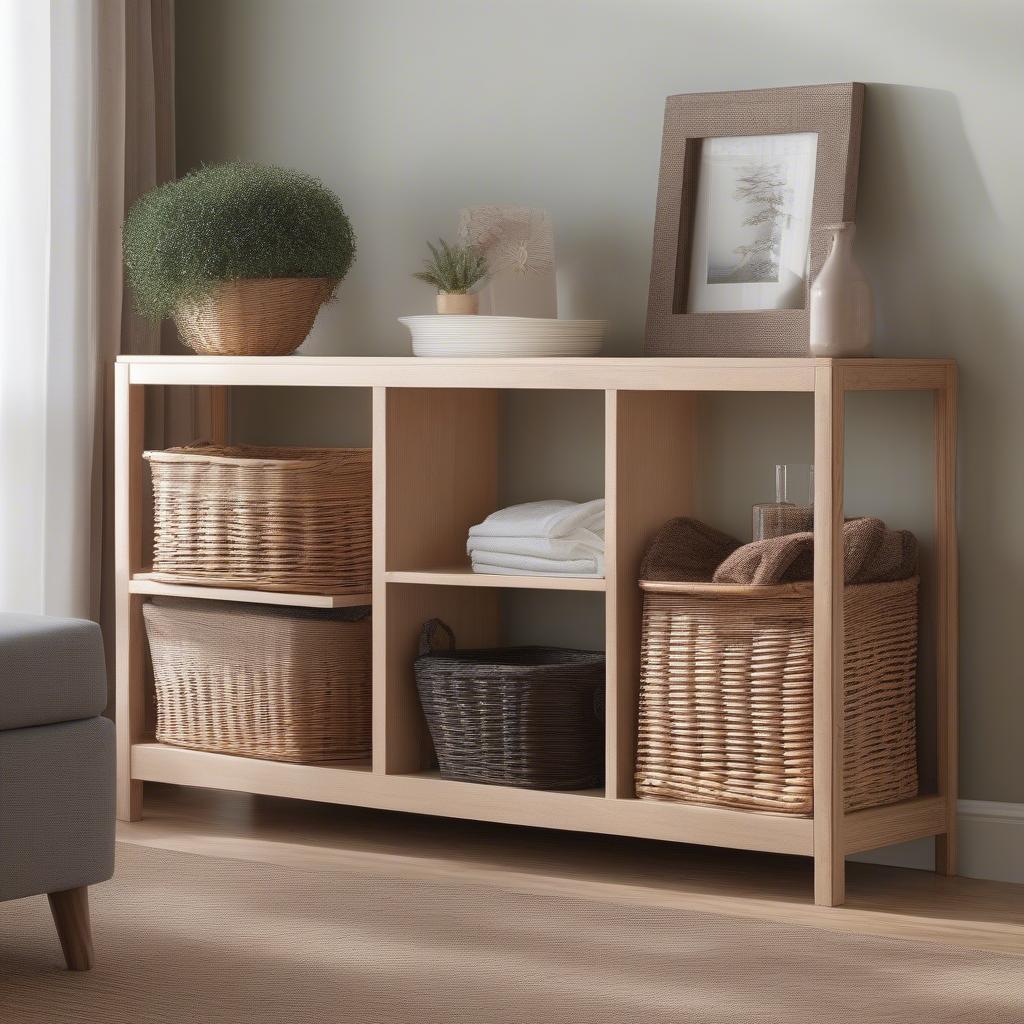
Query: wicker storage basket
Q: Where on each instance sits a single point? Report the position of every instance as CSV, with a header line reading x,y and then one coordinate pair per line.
x,y
531,717
285,684
286,519
253,317
726,703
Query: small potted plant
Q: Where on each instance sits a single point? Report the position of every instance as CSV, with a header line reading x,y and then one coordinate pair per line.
x,y
453,270
241,255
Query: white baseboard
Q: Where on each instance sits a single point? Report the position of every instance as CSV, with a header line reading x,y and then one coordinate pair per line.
x,y
991,844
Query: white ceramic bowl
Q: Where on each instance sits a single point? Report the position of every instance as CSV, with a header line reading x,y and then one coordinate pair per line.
x,y
503,336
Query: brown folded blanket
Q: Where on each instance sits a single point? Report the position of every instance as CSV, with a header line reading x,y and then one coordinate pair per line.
x,y
686,550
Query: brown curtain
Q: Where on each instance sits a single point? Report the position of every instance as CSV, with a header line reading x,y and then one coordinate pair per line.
x,y
135,41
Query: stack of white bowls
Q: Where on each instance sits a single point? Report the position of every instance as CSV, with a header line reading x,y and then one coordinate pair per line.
x,y
503,336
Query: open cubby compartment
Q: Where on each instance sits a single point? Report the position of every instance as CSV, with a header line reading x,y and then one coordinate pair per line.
x,y
479,617
455,455
262,417
899,491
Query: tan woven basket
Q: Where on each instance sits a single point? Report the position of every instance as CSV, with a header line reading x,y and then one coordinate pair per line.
x,y
726,703
269,316
285,519
275,683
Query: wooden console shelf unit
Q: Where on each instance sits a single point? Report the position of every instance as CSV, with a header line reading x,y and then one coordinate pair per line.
x,y
435,436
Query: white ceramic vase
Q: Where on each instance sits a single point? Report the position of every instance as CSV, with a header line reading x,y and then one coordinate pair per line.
x,y
841,308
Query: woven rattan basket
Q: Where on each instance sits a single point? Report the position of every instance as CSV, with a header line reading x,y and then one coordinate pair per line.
x,y
531,717
285,684
285,519
253,317
726,703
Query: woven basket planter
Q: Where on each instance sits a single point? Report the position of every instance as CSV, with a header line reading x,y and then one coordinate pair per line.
x,y
269,316
285,519
531,717
726,703
285,684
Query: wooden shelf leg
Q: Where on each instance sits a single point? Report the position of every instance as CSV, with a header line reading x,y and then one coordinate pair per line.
x,y
130,665
829,845
946,619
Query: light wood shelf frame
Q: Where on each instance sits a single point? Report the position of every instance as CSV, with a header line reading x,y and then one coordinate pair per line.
x,y
463,576
435,459
145,583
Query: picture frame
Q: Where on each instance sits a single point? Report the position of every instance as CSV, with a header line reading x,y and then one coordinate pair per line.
x,y
748,183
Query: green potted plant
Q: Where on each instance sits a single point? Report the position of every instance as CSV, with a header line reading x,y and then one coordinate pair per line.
x,y
241,255
453,270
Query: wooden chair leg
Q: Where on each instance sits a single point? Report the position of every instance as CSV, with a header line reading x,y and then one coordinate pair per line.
x,y
70,911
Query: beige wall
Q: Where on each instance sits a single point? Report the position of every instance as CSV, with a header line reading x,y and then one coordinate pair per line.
x,y
413,109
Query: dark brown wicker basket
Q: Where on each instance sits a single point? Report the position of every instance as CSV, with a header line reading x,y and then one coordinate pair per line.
x,y
531,717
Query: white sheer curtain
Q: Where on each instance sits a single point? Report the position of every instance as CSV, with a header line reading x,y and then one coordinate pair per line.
x,y
86,125
49,339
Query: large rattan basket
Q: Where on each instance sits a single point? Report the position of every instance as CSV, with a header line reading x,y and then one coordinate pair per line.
x,y
253,317
531,717
285,684
726,703
284,519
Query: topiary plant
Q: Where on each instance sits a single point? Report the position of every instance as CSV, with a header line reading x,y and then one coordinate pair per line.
x,y
228,222
453,269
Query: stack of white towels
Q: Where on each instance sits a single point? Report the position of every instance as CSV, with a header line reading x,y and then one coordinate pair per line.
x,y
541,538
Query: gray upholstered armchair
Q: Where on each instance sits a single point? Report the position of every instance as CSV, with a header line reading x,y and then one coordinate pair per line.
x,y
56,771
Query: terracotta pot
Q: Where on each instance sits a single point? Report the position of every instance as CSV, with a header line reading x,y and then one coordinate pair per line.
x,y
463,303
253,317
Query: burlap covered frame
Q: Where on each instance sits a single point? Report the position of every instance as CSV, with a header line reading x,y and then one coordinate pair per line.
x,y
834,113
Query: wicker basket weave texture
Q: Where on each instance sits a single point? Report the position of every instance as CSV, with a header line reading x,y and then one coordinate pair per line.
x,y
530,717
267,682
285,519
726,705
269,316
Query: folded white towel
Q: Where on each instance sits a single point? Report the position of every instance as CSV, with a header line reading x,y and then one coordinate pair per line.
x,y
553,518
504,570
581,544
593,566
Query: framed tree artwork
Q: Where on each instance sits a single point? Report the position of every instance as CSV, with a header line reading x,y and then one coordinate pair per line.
x,y
748,183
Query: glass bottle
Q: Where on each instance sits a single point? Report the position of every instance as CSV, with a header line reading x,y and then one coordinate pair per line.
x,y
793,508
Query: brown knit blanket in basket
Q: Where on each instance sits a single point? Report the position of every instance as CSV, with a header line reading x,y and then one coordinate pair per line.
x,y
686,550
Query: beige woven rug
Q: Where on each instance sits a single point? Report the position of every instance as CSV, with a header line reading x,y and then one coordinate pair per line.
x,y
199,940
